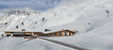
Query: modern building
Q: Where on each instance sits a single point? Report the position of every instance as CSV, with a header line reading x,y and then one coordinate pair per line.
x,y
60,33
32,35
26,35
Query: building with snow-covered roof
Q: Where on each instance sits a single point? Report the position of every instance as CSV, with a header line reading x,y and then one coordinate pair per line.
x,y
25,34
31,35
60,33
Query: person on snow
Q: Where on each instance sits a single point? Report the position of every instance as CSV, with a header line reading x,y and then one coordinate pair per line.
x,y
107,11
17,26
36,22
47,30
43,19
6,23
22,23
2,35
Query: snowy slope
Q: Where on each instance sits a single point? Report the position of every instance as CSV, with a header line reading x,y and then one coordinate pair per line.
x,y
97,39
16,17
26,44
89,18
92,15
95,27
53,17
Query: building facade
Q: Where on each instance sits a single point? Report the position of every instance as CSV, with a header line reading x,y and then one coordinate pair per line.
x,y
60,33
31,35
26,35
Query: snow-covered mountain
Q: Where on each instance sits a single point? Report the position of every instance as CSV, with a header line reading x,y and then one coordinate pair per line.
x,y
93,19
94,25
61,15
15,17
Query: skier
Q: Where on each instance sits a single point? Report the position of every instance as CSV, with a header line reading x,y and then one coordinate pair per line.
x,y
2,35
47,30
36,22
6,23
43,19
17,27
22,23
107,11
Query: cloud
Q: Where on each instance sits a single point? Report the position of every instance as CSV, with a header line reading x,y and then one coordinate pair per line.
x,y
35,4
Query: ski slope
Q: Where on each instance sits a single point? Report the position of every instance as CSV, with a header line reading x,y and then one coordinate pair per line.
x,y
94,26
89,18
26,44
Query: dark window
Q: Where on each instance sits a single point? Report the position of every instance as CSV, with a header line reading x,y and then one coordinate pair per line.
x,y
8,35
27,35
60,33
65,33
69,33
54,33
49,36
17,33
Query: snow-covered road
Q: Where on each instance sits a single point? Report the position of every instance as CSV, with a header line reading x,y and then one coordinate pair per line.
x,y
10,43
64,44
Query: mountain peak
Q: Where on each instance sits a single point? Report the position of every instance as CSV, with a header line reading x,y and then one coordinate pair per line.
x,y
24,11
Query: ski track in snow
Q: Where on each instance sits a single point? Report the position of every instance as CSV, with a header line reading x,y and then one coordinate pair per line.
x,y
22,42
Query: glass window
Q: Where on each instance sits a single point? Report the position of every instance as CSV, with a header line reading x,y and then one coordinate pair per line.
x,y
69,33
17,33
49,36
60,33
65,33
54,33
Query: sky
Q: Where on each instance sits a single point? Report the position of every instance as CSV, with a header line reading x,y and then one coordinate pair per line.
x,y
34,4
